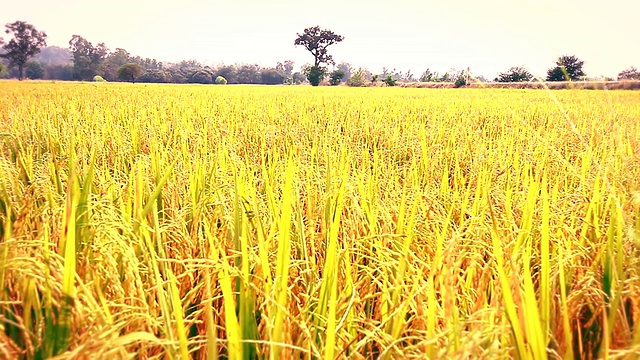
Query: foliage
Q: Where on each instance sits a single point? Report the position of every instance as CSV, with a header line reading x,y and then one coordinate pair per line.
x,y
461,81
298,78
34,70
336,77
286,68
514,74
427,76
389,80
316,41
568,68
357,79
221,80
87,59
154,76
201,76
272,76
114,61
130,72
629,74
26,42
315,74
99,78
59,72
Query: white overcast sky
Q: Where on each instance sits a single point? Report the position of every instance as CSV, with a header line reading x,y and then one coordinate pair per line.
x,y
488,36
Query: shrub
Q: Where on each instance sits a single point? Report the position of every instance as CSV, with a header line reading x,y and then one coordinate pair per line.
x,y
221,80
389,80
461,81
99,78
315,74
358,79
336,77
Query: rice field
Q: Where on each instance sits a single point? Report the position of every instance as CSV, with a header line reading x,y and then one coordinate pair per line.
x,y
239,222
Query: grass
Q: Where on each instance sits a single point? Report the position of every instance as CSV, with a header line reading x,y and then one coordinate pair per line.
x,y
149,221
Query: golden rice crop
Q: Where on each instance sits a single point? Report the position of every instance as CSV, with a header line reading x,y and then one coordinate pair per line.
x,y
149,221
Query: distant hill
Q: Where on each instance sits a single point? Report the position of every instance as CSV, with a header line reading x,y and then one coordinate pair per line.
x,y
54,55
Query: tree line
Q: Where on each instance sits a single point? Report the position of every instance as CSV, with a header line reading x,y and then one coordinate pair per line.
x,y
26,55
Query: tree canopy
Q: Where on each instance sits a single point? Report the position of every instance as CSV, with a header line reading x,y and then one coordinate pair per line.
x,y
568,68
87,59
130,72
514,74
316,41
27,42
629,74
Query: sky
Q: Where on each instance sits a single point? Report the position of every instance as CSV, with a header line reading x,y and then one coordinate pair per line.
x,y
487,36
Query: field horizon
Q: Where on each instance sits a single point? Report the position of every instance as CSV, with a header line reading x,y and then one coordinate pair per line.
x,y
144,221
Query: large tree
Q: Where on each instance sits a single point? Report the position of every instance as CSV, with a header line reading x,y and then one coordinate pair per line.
x,y
514,74
87,59
113,62
629,74
130,72
568,68
316,41
26,42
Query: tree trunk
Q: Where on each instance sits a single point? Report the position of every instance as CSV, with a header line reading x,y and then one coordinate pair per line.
x,y
21,72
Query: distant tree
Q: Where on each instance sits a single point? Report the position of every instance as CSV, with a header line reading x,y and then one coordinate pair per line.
x,y
336,77
567,68
228,72
177,77
346,68
479,79
461,80
26,42
427,76
298,78
316,41
285,69
154,76
271,76
249,74
87,59
2,70
629,74
59,72
113,62
358,78
514,74
34,70
408,76
203,75
130,72
389,80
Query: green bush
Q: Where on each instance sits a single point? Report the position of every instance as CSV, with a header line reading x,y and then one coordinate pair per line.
x,y
336,77
221,80
315,74
99,78
461,81
389,80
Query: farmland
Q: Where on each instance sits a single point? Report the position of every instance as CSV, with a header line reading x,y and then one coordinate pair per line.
x,y
168,221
